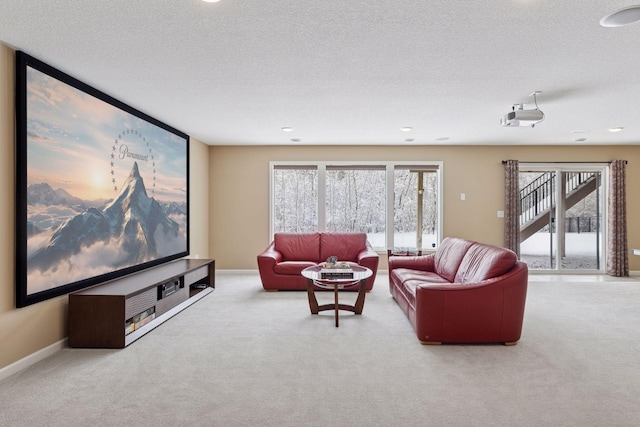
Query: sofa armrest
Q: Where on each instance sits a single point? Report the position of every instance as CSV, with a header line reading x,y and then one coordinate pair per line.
x,y
367,252
418,262
269,257
492,308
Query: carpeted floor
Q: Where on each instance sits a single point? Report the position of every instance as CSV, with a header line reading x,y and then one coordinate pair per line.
x,y
245,357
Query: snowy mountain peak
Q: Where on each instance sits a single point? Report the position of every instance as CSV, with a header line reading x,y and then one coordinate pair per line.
x,y
43,194
133,194
134,181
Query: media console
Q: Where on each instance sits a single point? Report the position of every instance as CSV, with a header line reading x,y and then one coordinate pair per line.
x,y
116,313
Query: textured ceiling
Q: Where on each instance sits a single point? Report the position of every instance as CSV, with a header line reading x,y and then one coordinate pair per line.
x,y
348,72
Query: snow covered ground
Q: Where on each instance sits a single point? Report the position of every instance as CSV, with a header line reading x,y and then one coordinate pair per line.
x,y
581,251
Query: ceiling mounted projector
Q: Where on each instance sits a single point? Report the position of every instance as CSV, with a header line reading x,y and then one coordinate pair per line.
x,y
520,117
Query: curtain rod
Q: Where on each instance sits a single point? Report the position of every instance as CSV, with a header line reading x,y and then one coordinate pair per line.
x,y
504,162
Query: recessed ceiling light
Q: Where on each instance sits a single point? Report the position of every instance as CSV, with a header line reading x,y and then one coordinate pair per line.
x,y
296,140
406,129
580,139
409,140
287,129
442,138
621,17
211,1
616,129
580,131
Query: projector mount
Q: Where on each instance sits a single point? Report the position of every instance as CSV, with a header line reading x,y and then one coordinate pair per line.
x,y
519,117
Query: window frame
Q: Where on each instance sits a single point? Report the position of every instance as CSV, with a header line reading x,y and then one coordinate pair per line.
x,y
389,167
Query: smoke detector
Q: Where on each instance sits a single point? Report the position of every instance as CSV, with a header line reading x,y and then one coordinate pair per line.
x,y
521,117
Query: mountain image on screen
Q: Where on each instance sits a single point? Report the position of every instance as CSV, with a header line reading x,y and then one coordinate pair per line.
x,y
133,228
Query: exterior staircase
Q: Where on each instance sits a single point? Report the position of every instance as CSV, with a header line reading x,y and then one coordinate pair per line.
x,y
538,198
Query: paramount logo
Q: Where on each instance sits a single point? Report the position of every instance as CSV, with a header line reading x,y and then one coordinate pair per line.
x,y
138,149
124,152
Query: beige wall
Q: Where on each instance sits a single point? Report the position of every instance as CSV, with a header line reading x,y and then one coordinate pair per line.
x,y
26,330
199,199
239,228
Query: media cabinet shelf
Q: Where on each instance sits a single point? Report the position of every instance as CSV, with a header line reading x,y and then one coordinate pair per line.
x,y
98,315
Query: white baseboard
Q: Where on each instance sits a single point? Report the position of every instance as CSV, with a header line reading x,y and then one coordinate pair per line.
x,y
32,359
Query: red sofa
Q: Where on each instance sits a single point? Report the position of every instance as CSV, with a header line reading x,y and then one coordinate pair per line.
x,y
281,264
466,292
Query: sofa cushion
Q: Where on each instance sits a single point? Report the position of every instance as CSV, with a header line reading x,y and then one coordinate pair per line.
x,y
409,289
484,262
401,275
292,267
346,246
411,279
449,256
298,247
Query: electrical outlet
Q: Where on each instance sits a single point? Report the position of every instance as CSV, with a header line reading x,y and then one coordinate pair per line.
x,y
500,214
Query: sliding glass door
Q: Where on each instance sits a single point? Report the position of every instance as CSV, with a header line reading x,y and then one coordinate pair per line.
x,y
562,217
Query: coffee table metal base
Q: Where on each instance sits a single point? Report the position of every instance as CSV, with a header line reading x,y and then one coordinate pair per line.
x,y
336,306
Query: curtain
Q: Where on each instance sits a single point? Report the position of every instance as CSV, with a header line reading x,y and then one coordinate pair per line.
x,y
617,254
512,206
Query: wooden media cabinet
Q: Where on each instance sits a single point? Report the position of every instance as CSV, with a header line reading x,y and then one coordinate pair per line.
x,y
116,313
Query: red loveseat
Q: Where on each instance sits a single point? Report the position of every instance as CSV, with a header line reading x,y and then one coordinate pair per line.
x,y
466,292
281,264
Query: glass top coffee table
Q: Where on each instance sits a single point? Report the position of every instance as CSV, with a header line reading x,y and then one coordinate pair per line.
x,y
314,277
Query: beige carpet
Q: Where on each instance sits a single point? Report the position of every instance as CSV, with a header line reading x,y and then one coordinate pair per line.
x,y
245,357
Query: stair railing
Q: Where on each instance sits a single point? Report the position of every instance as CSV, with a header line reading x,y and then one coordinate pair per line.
x,y
536,197
539,196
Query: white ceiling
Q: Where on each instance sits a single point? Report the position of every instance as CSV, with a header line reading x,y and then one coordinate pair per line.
x,y
348,71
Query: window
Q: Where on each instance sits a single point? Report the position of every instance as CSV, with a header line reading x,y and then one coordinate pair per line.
x,y
355,200
396,204
415,207
295,199
562,216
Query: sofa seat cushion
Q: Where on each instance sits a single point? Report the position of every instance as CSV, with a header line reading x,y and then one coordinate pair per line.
x,y
484,262
298,247
409,289
410,279
292,267
346,246
401,275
